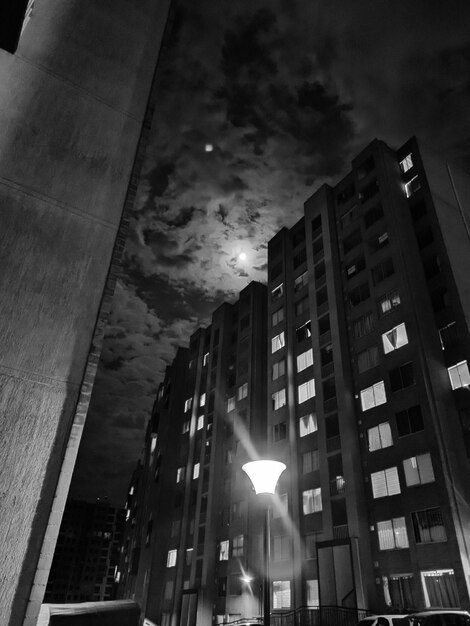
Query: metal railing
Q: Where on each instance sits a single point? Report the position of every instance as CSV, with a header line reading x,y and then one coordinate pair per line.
x,y
319,616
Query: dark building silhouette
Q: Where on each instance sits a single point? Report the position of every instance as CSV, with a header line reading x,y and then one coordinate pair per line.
x,y
367,403
85,560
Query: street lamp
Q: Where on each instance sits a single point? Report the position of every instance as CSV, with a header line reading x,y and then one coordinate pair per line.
x,y
264,475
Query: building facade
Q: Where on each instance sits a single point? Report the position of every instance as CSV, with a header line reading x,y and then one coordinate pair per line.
x,y
364,385
85,560
76,82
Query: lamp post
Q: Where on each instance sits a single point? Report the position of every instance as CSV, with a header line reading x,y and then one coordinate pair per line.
x,y
264,475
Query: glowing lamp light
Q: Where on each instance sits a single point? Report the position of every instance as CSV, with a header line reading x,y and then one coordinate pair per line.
x,y
208,147
246,579
242,256
264,475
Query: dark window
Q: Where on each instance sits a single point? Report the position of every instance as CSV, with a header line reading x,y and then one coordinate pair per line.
x,y
279,431
317,246
428,526
402,377
301,281
346,194
382,271
359,294
352,269
329,389
364,325
322,296
379,242
351,241
304,331
222,586
332,426
367,359
373,215
277,317
418,210
216,337
326,354
348,217
300,258
245,322
439,299
316,226
369,192
424,238
301,306
298,236
365,168
432,267
323,324
275,271
320,270
409,421
277,292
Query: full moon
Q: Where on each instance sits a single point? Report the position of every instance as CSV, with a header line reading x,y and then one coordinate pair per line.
x,y
242,256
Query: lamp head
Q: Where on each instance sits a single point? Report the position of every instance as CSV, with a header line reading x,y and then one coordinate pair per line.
x,y
264,475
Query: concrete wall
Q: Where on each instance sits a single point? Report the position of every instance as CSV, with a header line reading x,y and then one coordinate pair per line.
x,y
72,104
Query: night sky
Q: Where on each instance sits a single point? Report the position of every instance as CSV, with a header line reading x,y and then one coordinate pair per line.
x,y
285,92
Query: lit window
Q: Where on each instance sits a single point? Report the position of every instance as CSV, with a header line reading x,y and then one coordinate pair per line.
x,y
279,369
243,391
379,437
191,364
237,545
153,444
412,186
171,558
200,422
406,164
180,474
277,317
281,548
418,470
300,281
311,501
278,342
392,534
281,594
304,331
196,469
459,375
202,400
231,404
373,396
306,390
223,550
277,292
304,360
385,483
394,338
389,302
205,359
185,427
308,424
428,526
279,431
187,404
279,399
313,598
189,555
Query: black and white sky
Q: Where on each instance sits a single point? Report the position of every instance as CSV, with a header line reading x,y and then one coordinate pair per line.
x,y
286,92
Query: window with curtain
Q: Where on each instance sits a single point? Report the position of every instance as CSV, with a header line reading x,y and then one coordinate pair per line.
x,y
385,483
428,526
394,338
440,589
281,594
373,396
379,436
418,470
308,424
392,534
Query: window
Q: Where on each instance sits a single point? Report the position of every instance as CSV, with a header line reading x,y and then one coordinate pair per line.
x,y
440,589
323,325
326,354
365,168
310,461
359,294
311,546
369,192
379,242
418,470
304,331
279,431
363,325
459,375
278,369
313,598
231,404
354,268
385,483
187,404
382,271
223,550
202,399
243,391
367,359
308,424
281,594
200,422
277,292
351,241
373,396
428,526
189,555
277,317
278,342
402,377
392,534
275,270
409,421
301,281
185,427
412,186
180,474
280,505
301,306
388,302
394,338
311,501
300,257
373,215
279,399
346,194
237,545
196,469
306,391
281,548
406,164
304,360
205,359
322,296
171,558
424,238
379,437
245,322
